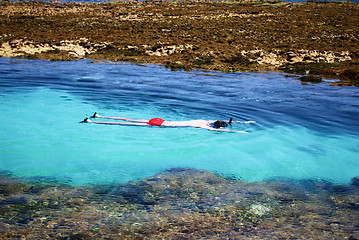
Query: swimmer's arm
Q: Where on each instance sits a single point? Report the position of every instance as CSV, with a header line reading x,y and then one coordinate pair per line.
x,y
222,130
212,121
227,130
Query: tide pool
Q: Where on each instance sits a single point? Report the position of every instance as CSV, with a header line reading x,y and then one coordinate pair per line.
x,y
301,131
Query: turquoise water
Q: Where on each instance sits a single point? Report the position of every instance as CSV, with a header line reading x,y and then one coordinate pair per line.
x,y
301,131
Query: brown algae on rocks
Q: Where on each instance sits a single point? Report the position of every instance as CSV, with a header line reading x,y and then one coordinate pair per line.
x,y
226,36
179,204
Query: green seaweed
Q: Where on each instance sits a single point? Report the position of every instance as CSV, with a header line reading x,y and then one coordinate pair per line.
x,y
306,68
311,78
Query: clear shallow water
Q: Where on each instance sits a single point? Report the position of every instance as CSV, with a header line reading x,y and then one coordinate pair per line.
x,y
301,131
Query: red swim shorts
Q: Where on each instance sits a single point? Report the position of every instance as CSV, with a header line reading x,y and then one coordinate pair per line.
x,y
156,122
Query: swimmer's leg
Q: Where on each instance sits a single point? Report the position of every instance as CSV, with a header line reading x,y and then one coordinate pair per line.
x,y
95,115
86,120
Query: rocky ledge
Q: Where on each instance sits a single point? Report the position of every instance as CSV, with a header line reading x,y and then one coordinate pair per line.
x,y
314,38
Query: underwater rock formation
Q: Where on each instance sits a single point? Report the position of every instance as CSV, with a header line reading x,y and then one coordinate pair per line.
x,y
179,203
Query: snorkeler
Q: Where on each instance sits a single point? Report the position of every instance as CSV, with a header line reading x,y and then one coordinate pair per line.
x,y
205,124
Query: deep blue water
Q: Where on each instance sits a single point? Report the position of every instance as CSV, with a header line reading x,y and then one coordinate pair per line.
x,y
301,131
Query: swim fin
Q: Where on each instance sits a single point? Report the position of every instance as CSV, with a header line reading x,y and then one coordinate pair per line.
x,y
85,120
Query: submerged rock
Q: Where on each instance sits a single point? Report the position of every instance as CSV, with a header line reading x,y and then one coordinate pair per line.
x,y
259,209
311,79
355,181
176,204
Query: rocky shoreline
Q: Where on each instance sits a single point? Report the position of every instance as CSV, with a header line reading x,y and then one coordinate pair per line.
x,y
314,38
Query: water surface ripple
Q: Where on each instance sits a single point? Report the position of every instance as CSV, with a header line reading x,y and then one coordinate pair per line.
x,y
301,131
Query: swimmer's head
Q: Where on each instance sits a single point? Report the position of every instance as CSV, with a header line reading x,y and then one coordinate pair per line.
x,y
219,124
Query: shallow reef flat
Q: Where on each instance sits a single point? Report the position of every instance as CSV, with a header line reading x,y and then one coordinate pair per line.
x,y
179,204
313,38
